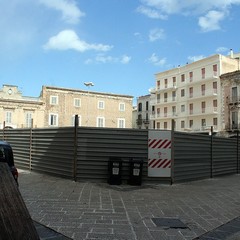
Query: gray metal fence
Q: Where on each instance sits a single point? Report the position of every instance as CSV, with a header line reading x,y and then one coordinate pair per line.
x,y
82,153
202,156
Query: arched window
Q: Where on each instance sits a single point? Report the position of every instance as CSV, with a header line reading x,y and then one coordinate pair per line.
x,y
140,107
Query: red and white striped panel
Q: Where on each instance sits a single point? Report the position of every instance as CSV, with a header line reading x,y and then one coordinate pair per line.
x,y
159,143
159,163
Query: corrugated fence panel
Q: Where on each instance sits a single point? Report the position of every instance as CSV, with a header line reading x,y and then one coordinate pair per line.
x,y
192,154
224,156
53,151
97,145
20,142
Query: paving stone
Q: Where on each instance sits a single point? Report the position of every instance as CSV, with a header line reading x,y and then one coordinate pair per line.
x,y
99,211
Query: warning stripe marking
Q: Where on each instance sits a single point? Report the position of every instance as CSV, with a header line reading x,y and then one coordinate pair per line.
x,y
159,163
161,143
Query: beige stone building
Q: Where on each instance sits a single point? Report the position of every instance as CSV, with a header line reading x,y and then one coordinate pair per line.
x,y
191,95
94,109
17,111
57,107
230,83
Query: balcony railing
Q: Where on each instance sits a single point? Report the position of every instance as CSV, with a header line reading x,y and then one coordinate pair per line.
x,y
234,99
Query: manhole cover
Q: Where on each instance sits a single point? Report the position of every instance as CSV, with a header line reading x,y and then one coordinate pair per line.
x,y
169,222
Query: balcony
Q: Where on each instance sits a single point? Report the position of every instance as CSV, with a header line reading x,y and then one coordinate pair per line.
x,y
203,111
200,80
234,100
165,88
203,94
232,127
155,116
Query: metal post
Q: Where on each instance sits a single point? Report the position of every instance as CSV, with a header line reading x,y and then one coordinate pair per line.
x,y
172,151
30,149
76,123
211,152
237,152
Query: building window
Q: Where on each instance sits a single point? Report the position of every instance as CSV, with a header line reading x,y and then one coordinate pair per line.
x,y
100,122
53,119
203,89
158,84
190,123
165,83
182,124
28,120
165,112
100,104
191,76
140,107
203,107
121,107
147,105
234,94
165,125
215,122
54,100
158,125
158,98
174,82
203,73
174,96
121,123
190,92
191,108
77,102
203,122
215,103
183,78
182,108
174,110
8,117
234,120
214,87
158,112
215,70
165,97
182,92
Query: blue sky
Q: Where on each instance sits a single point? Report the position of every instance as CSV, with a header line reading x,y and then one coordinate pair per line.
x,y
117,44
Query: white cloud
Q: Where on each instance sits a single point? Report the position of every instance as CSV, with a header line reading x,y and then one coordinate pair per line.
x,y
210,13
156,60
222,49
156,34
68,39
101,58
210,21
195,58
70,12
151,13
125,59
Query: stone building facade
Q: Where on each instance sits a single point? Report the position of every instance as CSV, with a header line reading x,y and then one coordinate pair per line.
x,y
57,107
17,111
94,109
230,83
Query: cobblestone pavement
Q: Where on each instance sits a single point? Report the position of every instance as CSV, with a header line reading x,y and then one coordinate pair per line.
x,y
205,210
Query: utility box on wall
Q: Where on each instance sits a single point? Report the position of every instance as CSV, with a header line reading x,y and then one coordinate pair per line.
x,y
159,153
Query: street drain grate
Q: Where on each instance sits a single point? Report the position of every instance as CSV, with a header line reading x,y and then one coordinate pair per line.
x,y
169,222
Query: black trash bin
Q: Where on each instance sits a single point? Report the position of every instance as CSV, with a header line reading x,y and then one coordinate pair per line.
x,y
136,166
115,171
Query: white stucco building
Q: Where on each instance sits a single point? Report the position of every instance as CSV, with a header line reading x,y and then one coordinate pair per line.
x,y
191,95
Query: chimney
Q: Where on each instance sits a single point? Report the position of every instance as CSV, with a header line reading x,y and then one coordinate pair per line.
x,y
231,53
